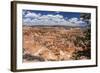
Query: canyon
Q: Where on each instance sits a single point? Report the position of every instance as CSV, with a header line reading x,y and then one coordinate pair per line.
x,y
55,43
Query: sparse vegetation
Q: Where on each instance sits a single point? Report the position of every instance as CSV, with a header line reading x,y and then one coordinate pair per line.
x,y
85,44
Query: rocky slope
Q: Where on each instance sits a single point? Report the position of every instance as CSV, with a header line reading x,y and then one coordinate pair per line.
x,y
55,44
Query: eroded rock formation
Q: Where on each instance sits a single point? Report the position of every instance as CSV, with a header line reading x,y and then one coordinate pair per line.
x,y
53,43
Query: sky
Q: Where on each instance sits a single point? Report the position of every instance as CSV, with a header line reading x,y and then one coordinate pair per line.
x,y
35,17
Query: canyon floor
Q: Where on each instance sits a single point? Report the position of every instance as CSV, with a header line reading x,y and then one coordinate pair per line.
x,y
56,44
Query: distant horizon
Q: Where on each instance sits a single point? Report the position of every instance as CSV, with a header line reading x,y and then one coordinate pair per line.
x,y
52,18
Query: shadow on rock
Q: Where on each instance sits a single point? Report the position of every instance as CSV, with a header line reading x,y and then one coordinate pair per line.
x,y
29,57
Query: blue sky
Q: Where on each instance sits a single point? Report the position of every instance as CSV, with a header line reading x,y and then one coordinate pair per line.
x,y
35,17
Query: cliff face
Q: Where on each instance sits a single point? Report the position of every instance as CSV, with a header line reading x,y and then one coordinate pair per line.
x,y
52,43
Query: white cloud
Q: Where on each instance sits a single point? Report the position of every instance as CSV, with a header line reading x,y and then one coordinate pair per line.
x,y
80,22
32,15
27,20
77,21
55,16
74,19
23,13
32,18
